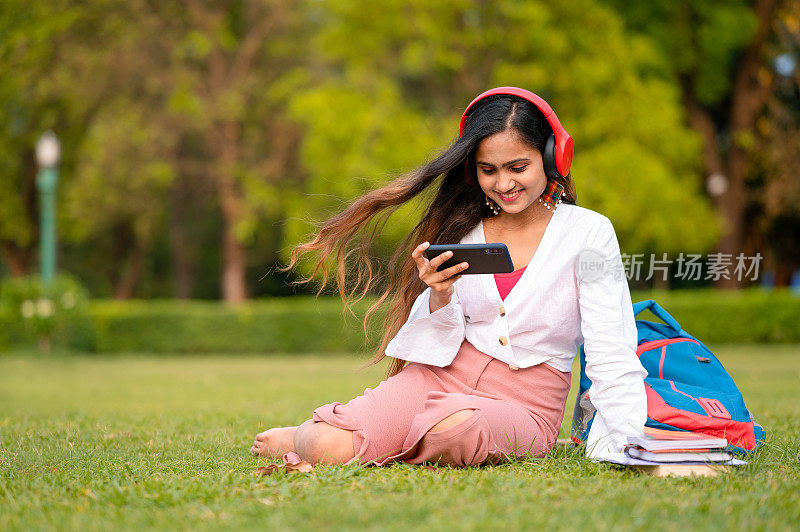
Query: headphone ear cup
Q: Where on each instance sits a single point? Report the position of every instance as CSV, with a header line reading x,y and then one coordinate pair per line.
x,y
549,158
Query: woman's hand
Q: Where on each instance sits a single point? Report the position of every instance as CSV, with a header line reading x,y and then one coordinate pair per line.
x,y
441,283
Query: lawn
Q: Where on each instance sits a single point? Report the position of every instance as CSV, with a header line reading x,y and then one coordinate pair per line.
x,y
137,441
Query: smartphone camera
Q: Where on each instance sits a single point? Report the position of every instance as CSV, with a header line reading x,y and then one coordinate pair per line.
x,y
494,251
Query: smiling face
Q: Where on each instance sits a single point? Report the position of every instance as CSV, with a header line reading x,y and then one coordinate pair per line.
x,y
510,171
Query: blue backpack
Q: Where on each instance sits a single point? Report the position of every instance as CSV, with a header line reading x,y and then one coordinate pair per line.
x,y
687,387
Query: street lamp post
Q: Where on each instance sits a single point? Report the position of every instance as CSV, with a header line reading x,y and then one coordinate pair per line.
x,y
48,153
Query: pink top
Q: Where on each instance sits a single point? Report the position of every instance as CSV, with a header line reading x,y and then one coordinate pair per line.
x,y
506,281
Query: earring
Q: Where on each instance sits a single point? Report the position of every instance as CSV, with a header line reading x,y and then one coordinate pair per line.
x,y
551,196
492,205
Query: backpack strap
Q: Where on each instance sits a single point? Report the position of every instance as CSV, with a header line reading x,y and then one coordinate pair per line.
x,y
659,312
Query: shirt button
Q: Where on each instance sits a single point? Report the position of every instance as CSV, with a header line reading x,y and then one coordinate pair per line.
x,y
502,311
503,340
512,367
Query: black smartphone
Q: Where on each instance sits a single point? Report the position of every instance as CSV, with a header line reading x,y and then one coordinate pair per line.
x,y
482,258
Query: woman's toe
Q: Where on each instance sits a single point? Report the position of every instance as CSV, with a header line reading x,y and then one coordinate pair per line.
x,y
259,448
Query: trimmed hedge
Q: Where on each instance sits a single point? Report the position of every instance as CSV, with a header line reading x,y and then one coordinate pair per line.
x,y
727,317
306,324
278,325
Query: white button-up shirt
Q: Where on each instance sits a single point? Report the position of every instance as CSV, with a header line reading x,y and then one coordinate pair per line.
x,y
573,291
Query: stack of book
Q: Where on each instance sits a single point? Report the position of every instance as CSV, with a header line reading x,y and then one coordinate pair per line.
x,y
666,452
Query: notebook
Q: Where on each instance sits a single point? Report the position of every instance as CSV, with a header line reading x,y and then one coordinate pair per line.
x,y
685,456
659,440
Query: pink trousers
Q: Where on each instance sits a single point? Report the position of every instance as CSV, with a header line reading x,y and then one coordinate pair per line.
x,y
517,412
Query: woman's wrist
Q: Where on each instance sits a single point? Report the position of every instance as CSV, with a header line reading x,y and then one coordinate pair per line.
x,y
439,299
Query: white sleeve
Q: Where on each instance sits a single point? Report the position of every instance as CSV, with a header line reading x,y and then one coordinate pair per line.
x,y
430,338
610,339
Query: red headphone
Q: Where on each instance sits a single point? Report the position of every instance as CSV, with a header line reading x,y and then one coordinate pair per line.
x,y
557,155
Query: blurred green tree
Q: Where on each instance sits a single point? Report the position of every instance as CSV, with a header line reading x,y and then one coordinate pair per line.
x,y
232,68
59,57
35,96
122,181
155,123
395,76
715,50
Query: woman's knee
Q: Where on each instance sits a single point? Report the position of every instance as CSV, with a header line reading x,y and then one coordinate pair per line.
x,y
321,443
463,439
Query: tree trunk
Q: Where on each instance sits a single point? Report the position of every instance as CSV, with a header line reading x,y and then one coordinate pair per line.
x,y
182,256
17,260
20,258
783,273
731,205
131,273
234,256
224,141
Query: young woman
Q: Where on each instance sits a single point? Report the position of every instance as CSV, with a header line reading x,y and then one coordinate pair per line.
x,y
481,363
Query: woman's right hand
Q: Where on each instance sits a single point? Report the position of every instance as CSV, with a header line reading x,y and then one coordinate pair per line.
x,y
441,283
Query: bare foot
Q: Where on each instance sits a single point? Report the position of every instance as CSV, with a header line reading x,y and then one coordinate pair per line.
x,y
274,443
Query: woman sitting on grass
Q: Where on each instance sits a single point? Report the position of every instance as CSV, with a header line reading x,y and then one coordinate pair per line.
x,y
481,363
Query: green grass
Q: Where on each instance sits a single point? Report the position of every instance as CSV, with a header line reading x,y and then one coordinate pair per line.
x,y
162,442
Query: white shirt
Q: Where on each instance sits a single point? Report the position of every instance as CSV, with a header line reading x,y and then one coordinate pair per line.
x,y
550,311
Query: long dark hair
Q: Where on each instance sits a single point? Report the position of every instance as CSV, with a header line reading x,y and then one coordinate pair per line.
x,y
456,208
